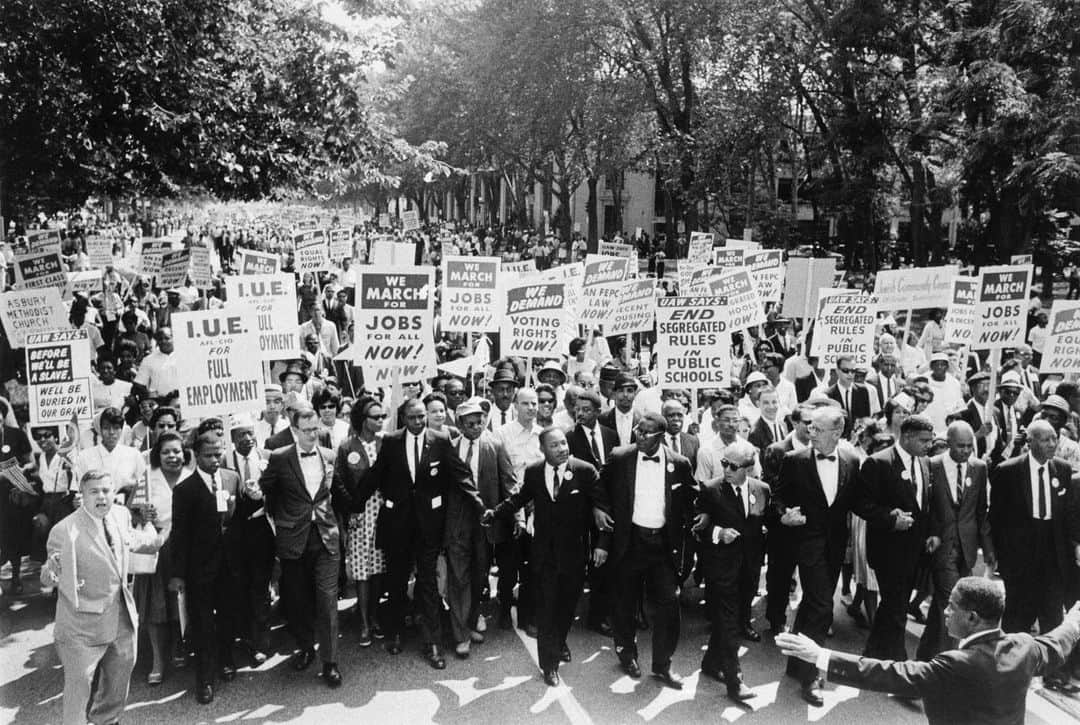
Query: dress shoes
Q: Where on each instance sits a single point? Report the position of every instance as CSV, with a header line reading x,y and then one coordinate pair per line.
x,y
256,657
749,633
303,659
205,694
434,657
739,692
855,612
601,627
481,624
227,673
331,675
476,636
393,645
811,692
564,653
631,668
462,650
642,622
530,630
669,678
551,678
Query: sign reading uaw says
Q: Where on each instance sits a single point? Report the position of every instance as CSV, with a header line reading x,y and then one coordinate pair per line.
x,y
222,370
58,376
693,342
1001,307
395,321
1061,353
469,294
533,318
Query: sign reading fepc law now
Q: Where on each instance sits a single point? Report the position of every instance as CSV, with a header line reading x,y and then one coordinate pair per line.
x,y
395,320
1001,307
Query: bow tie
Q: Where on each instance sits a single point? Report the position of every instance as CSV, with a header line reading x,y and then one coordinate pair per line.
x,y
823,457
309,453
654,459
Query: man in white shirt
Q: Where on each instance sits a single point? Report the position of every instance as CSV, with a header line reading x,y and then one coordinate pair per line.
x,y
271,422
725,425
124,464
521,436
106,390
159,372
325,331
948,395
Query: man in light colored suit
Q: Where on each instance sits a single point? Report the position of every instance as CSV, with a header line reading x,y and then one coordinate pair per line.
x,y
959,525
96,622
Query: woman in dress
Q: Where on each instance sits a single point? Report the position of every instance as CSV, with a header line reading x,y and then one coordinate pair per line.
x,y
364,563
308,295
152,503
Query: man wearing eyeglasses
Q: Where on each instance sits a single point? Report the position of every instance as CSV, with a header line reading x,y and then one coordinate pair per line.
x,y
814,493
731,549
650,488
853,398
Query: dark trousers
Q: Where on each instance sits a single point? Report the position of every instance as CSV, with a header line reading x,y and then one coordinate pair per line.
x,y
424,555
527,595
819,570
210,623
1037,591
467,566
778,576
252,565
886,640
723,577
506,557
558,589
648,562
945,573
309,586
601,588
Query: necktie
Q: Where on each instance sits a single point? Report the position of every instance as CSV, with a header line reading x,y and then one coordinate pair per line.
x,y
468,454
654,459
823,457
847,400
1042,493
247,470
776,432
554,483
595,448
888,389
959,482
416,456
108,536
675,442
914,482
502,416
738,495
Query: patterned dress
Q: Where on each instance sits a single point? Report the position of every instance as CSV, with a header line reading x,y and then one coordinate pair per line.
x,y
362,559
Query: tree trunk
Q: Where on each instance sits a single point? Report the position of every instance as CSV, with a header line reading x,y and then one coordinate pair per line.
x,y
590,210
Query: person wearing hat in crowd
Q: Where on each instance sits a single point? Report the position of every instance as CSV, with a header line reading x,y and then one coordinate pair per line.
x,y
975,415
948,395
1055,411
324,330
748,403
292,402
578,362
251,541
504,385
1008,418
293,378
622,418
271,422
552,374
606,383
319,362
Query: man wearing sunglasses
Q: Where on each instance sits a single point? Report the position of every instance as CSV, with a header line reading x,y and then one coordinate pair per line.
x,y
650,488
853,397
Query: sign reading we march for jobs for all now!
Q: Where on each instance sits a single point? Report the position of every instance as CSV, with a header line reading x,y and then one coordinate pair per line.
x,y
395,321
470,294
1001,307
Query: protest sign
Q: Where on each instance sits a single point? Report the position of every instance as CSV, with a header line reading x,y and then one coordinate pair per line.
x,y
744,306
700,249
1061,353
388,253
805,276
222,370
684,273
470,294
174,269
147,256
724,257
960,318
1021,259
58,376
252,262
99,251
915,288
598,293
395,320
533,319
697,281
635,310
24,312
269,299
86,283
693,342
767,267
614,249
526,266
845,326
341,246
1001,306
744,244
307,225
201,267
34,271
309,251
410,220
42,240
384,220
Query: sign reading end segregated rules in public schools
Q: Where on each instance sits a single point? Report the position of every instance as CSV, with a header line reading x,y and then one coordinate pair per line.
x,y
693,342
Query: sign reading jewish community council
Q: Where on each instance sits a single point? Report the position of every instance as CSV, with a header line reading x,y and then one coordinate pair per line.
x,y
1001,306
533,319
252,262
615,249
271,299
635,310
470,294
58,376
915,288
395,320
845,327
35,271
960,318
25,312
1061,353
222,371
693,342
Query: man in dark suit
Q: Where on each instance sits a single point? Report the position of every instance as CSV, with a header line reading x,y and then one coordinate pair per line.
x,y
677,439
975,413
1008,420
814,493
732,544
621,417
984,681
958,527
417,471
203,505
895,501
887,382
467,543
651,489
769,427
565,493
779,339
780,543
1034,533
852,397
296,487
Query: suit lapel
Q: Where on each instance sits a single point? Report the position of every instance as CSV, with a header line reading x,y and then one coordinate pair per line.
x,y
631,480
294,462
905,480
820,487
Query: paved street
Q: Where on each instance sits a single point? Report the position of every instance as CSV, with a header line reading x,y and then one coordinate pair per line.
x,y
498,684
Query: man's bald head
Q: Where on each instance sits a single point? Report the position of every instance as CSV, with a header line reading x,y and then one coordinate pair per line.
x,y
961,440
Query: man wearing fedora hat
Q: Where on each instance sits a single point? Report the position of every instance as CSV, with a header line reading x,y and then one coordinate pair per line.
x,y
1007,418
622,418
504,387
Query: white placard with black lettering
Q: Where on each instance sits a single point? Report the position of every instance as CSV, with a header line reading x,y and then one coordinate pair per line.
x,y
222,363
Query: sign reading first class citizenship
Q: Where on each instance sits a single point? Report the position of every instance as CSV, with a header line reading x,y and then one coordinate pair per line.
x,y
1001,307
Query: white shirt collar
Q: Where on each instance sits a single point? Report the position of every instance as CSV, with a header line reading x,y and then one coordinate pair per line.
x,y
967,640
796,444
1034,465
905,457
206,478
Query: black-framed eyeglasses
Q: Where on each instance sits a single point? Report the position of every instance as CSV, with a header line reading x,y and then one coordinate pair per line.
x,y
546,401
734,466
381,416
847,371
